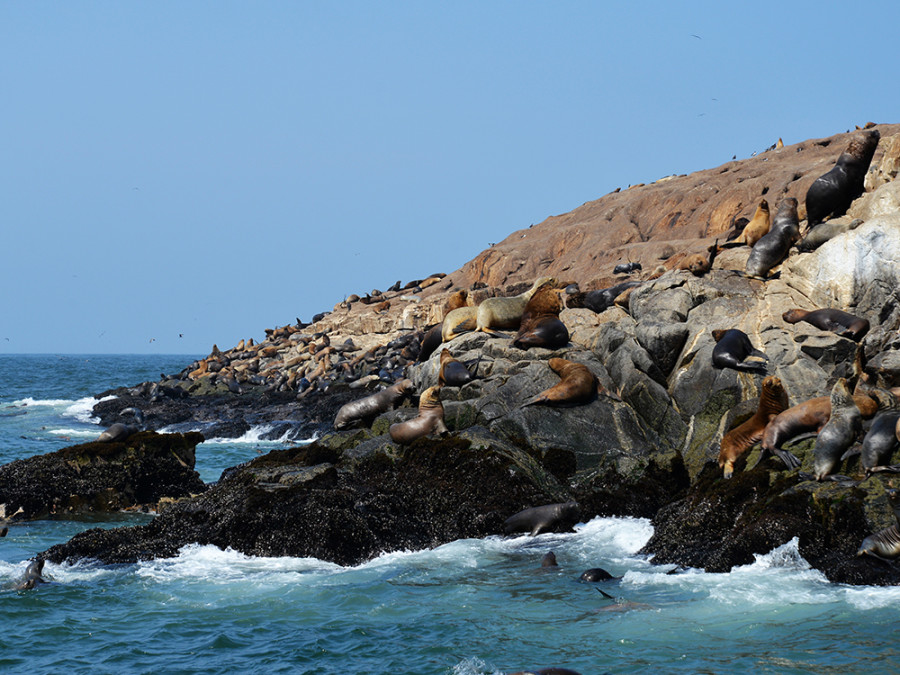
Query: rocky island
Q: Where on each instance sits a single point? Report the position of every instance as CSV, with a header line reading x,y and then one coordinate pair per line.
x,y
654,286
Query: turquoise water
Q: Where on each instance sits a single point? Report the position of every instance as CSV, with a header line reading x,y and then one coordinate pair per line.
x,y
470,607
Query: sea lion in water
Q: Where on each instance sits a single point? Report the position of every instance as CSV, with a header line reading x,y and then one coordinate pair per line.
x,y
773,399
373,405
541,325
596,574
577,385
835,320
430,419
823,232
32,576
773,247
804,418
832,193
452,373
732,348
839,432
548,518
549,560
884,545
757,227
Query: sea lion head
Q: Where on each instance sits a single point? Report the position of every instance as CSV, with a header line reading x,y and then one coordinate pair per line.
x,y
794,315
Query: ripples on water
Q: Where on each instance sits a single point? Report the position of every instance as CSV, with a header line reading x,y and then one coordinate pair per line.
x,y
471,607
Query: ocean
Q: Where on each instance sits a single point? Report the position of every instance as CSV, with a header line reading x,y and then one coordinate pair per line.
x,y
470,607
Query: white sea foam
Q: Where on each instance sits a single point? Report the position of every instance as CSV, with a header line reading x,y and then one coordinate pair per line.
x,y
32,402
254,435
83,408
74,433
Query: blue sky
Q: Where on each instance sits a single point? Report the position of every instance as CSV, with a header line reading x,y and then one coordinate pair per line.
x,y
178,174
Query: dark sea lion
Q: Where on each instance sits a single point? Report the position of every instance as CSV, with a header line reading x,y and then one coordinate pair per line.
x,y
371,406
735,231
732,348
773,399
430,419
119,431
452,373
832,193
540,325
548,518
773,247
577,385
430,342
549,560
32,576
757,227
603,299
884,545
842,428
596,574
881,438
823,232
627,268
835,320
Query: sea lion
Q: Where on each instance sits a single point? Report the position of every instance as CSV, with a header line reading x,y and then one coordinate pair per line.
x,y
603,299
835,320
884,545
548,518
697,263
458,321
549,560
430,342
823,232
757,227
373,405
596,574
119,431
627,268
541,325
773,399
506,312
456,300
577,385
881,438
732,348
32,576
805,418
833,192
430,419
839,432
452,373
773,247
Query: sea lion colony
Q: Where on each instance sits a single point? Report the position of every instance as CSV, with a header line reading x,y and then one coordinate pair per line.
x,y
293,360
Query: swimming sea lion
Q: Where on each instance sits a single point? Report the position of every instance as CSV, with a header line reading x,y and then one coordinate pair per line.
x,y
32,576
884,545
732,348
373,405
596,574
835,320
452,373
773,399
577,385
430,419
757,227
823,232
541,325
548,518
838,433
549,560
603,299
773,247
833,192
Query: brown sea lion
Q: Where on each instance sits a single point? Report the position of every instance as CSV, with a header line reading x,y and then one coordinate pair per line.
x,y
805,418
884,545
773,247
452,373
541,325
773,399
456,300
732,348
699,264
577,385
430,419
835,320
832,193
842,428
372,406
757,227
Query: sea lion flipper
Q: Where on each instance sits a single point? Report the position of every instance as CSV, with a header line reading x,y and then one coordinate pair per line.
x,y
605,594
790,459
852,452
